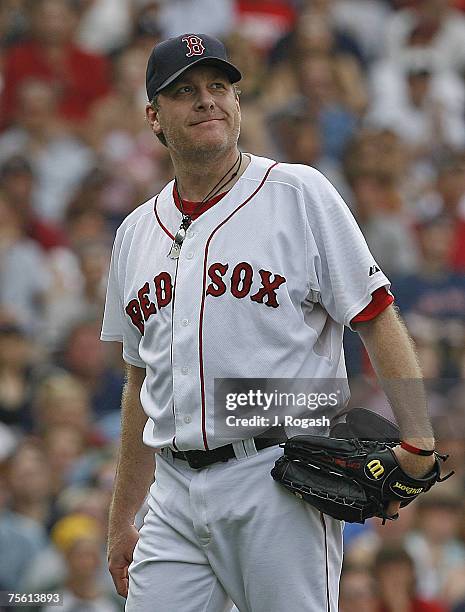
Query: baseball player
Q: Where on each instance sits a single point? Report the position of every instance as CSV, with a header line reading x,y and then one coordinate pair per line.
x,y
241,267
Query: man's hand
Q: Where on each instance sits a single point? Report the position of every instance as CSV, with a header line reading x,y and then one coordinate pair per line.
x,y
416,466
134,475
120,552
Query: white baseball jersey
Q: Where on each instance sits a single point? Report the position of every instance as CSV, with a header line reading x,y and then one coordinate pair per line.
x,y
264,284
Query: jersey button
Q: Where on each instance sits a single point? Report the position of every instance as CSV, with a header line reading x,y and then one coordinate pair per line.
x,y
187,419
185,322
190,255
185,370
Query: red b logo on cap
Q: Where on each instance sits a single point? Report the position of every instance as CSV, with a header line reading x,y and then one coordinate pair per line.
x,y
194,44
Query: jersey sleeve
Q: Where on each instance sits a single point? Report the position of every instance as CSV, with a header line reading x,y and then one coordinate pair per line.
x,y
380,300
340,262
116,326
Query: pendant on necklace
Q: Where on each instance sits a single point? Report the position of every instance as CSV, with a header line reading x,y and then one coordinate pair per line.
x,y
179,238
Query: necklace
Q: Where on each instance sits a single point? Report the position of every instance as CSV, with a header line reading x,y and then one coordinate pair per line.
x,y
187,219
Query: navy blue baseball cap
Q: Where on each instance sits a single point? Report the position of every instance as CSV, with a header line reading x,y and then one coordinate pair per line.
x,y
170,58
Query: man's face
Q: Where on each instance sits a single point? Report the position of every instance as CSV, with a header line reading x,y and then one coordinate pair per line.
x,y
53,21
198,114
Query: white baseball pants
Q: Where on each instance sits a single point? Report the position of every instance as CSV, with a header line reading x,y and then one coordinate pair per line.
x,y
230,532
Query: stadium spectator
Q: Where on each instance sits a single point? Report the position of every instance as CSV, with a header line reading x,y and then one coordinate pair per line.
x,y
73,563
264,21
395,576
363,547
380,212
146,28
119,112
314,37
214,17
365,21
63,445
315,33
13,21
24,276
104,25
80,540
16,363
118,131
448,197
61,400
49,54
357,590
21,538
59,159
84,356
18,182
78,290
435,546
434,296
299,139
432,25
86,218
321,98
28,480
422,105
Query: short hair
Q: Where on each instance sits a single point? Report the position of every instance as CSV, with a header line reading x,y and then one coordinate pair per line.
x,y
392,553
57,386
69,4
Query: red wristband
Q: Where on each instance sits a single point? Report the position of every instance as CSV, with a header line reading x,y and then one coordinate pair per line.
x,y
416,451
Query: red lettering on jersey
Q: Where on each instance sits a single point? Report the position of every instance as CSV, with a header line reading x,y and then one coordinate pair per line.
x,y
194,44
268,289
217,286
163,289
147,307
135,314
238,278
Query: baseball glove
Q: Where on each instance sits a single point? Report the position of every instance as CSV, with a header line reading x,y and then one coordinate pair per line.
x,y
350,479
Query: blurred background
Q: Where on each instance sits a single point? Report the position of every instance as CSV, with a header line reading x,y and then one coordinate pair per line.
x,y
370,92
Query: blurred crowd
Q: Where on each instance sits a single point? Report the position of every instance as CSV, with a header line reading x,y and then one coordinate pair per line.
x,y
370,92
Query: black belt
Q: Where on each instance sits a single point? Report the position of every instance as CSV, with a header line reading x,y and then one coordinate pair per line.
x,y
199,459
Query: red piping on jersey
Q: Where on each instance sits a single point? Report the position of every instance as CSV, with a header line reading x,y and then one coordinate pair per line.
x,y
202,382
159,220
172,307
171,349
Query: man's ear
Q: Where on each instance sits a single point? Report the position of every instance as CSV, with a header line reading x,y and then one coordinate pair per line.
x,y
238,107
238,102
152,119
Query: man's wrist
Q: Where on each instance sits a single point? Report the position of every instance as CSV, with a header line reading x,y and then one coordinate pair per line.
x,y
416,450
427,444
117,521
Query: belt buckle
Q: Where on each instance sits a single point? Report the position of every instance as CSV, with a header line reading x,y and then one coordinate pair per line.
x,y
194,459
198,459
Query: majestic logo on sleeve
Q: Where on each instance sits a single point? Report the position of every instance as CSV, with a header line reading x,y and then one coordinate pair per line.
x,y
154,296
194,44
